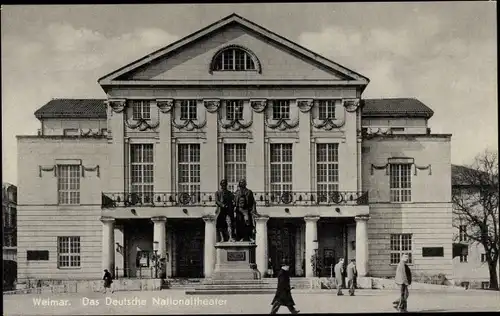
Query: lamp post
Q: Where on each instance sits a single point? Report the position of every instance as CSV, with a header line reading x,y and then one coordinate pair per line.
x,y
155,249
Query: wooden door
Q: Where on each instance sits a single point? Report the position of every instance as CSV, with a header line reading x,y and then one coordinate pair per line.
x,y
281,244
190,250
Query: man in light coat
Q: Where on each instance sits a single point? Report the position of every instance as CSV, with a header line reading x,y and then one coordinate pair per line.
x,y
403,279
352,273
339,274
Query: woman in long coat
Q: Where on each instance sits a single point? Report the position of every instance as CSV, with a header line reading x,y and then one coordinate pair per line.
x,y
283,291
108,280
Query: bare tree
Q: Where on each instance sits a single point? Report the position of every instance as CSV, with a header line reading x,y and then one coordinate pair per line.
x,y
475,204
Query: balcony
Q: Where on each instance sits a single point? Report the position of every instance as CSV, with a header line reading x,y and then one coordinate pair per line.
x,y
264,199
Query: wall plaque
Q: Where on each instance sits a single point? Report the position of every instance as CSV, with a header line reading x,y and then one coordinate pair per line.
x,y
432,252
236,256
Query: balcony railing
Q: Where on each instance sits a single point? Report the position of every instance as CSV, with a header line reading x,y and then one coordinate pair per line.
x,y
263,199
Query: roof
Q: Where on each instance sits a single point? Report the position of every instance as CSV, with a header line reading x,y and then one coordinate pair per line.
x,y
96,108
469,177
397,107
73,108
113,78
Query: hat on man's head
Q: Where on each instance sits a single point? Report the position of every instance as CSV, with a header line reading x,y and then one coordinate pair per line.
x,y
285,262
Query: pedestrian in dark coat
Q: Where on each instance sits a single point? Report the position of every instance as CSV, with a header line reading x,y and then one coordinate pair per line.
x,y
339,275
108,280
403,279
283,292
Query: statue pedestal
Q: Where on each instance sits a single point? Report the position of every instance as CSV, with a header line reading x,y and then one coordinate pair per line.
x,y
233,261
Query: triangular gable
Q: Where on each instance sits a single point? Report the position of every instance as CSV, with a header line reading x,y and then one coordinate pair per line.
x,y
344,74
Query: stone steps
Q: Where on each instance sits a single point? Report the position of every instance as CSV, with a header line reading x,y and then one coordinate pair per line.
x,y
229,291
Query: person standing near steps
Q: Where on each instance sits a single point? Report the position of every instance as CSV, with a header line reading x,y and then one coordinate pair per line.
x,y
339,274
351,276
283,292
403,279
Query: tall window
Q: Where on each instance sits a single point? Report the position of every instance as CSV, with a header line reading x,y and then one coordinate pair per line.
x,y
188,109
234,110
327,169
400,245
141,109
483,257
326,109
463,258
400,182
234,164
68,252
189,168
281,168
142,166
68,183
462,233
233,59
281,109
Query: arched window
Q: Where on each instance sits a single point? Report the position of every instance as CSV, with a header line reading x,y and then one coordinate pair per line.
x,y
234,59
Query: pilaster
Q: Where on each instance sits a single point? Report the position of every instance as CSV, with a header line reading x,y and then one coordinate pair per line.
x,y
163,150
209,153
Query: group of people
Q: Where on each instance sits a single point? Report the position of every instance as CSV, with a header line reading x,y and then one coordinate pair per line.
x,y
283,295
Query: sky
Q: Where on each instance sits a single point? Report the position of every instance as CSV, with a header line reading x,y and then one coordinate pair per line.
x,y
442,53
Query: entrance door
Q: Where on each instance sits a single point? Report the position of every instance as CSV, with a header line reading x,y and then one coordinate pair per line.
x,y
281,244
190,251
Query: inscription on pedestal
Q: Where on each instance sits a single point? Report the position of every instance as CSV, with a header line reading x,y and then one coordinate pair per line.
x,y
236,256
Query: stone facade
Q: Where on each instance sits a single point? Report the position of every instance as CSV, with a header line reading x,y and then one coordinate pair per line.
x,y
320,168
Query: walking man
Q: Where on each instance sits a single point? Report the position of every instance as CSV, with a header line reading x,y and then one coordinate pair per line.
x,y
339,274
283,291
108,280
352,273
403,279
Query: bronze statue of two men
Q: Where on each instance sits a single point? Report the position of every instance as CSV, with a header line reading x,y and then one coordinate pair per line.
x,y
235,213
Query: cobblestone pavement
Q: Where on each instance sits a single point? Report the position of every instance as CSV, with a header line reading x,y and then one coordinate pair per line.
x,y
174,302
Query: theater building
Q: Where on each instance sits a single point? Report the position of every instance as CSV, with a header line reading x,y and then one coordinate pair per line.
x,y
109,183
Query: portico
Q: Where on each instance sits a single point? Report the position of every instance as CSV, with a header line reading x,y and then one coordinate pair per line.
x,y
188,244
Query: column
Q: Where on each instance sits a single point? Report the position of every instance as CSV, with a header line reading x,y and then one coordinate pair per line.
x,y
261,240
209,253
311,242
359,150
160,234
362,245
108,244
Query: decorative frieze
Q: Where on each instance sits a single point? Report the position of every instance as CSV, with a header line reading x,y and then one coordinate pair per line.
x,y
47,168
142,124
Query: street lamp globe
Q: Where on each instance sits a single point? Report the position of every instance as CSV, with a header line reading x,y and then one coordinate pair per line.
x,y
155,246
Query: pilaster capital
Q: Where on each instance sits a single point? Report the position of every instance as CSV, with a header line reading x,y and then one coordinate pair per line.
x,y
107,219
258,105
311,218
117,105
362,218
211,105
208,218
305,105
159,219
351,105
165,105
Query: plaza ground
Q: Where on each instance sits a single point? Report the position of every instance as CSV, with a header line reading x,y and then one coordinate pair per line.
x,y
324,301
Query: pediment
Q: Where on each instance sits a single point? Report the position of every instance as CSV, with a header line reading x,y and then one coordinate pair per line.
x,y
190,59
